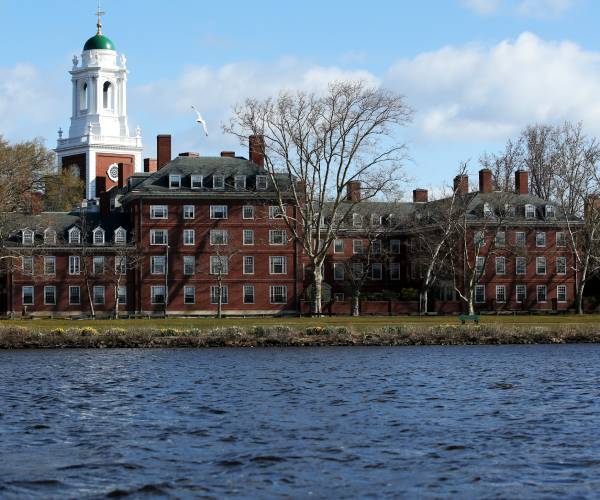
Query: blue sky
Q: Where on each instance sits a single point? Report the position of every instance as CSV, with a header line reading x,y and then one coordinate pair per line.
x,y
475,71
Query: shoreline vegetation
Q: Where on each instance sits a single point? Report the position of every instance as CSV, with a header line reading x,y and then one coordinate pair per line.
x,y
296,332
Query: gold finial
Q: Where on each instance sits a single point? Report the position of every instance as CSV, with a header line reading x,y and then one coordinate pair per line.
x,y
99,13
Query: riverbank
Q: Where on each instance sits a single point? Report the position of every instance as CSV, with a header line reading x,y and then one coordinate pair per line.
x,y
18,337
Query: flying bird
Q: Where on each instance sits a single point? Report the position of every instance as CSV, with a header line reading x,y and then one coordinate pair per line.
x,y
200,120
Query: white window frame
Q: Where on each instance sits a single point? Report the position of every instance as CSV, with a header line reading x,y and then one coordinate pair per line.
x,y
71,302
501,265
540,239
120,264
187,261
219,237
480,265
550,211
538,261
248,264
96,259
49,236
120,236
248,287
482,296
158,265
189,237
249,208
153,293
187,289
218,208
276,212
339,242
520,271
283,294
159,212
358,247
530,211
27,237
395,266
563,259
155,232
28,287
174,181
501,240
122,295
537,294
214,291
357,220
561,241
50,259
273,261
224,264
379,274
95,296
520,239
339,297
241,179
74,236
218,182
48,288
74,265
98,236
523,288
479,239
559,293
501,294
376,247
29,267
275,232
189,212
262,182
248,241
194,180
339,271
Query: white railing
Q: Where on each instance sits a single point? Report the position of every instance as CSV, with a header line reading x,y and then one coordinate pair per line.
x,y
100,140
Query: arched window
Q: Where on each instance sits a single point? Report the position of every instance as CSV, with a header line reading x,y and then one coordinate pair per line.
x,y
107,95
83,97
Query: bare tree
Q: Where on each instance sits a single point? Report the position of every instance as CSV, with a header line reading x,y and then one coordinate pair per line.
x,y
316,146
126,258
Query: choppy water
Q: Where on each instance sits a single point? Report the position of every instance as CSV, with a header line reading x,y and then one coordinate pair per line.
x,y
423,422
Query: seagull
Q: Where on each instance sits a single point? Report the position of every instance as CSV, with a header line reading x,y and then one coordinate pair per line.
x,y
200,120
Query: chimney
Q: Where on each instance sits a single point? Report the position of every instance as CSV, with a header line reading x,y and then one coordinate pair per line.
x,y
105,201
522,181
353,191
190,154
163,150
420,196
461,184
227,154
125,172
256,149
485,180
149,165
34,203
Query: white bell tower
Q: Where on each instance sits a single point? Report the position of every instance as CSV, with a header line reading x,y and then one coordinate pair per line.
x,y
99,138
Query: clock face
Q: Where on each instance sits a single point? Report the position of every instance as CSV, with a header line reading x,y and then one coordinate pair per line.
x,y
113,172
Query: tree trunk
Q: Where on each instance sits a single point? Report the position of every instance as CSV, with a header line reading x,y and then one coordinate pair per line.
x,y
356,304
318,282
579,299
471,306
424,301
220,301
90,299
116,301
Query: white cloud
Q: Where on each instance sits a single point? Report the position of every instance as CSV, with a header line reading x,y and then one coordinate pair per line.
x,y
483,7
526,8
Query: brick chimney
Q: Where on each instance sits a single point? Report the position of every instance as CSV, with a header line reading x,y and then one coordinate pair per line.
x,y
353,191
34,202
256,149
163,150
485,180
105,202
125,172
149,165
420,195
461,184
522,182
190,154
227,154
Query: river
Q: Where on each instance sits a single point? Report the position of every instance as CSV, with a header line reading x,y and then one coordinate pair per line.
x,y
428,422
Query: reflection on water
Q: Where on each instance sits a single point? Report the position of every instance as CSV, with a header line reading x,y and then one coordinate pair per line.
x,y
510,421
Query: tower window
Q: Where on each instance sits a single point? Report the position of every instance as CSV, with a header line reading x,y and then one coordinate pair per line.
x,y
107,95
83,97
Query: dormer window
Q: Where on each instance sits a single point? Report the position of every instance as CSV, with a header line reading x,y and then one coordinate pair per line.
x,y
550,212
120,236
240,182
261,182
174,181
196,181
530,211
28,237
218,182
356,220
98,236
74,236
50,237
509,210
487,210
275,212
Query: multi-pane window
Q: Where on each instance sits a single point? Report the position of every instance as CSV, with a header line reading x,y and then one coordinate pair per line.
x,y
216,291
189,265
479,294
49,295
189,295
395,271
501,239
338,297
189,236
540,265
487,210
479,239
376,247
479,264
74,236
542,293
218,211
520,239
338,246
521,293
248,264
357,270
338,271
561,265
561,239
520,266
550,212
277,237
159,211
277,265
248,212
120,236
27,295
98,264
98,236
120,264
540,239
561,293
219,264
188,211
74,295
74,264
98,295
27,264
248,237
530,211
500,293
240,182
50,237
196,181
248,294
261,182
500,265
28,237
356,220
157,294
159,236
49,264
357,247
395,247
174,181
376,271
278,294
275,212
218,182
122,295
158,264
219,236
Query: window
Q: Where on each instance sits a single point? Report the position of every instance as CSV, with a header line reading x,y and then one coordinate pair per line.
x,y
189,236
479,294
196,181
28,237
122,295
376,271
521,293
540,239
376,247
98,294
395,247
520,266
98,236
509,210
248,294
540,265
357,247
188,211
542,293
74,295
218,211
120,264
74,236
98,264
189,265
248,237
550,212
500,293
500,239
338,246
357,270
395,271
49,264
356,220
27,295
50,237
479,239
277,237
520,239
248,212
74,264
248,264
107,95
561,265
159,211
561,239
278,294
83,97
120,236
530,211
219,264
487,210
240,182
189,295
277,265
216,291
219,236
275,212
157,294
174,181
338,271
261,182
500,265
49,295
158,236
158,264
338,297
561,293
218,182
27,264
479,265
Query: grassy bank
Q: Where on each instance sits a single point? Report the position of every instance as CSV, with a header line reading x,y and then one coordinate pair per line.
x,y
18,337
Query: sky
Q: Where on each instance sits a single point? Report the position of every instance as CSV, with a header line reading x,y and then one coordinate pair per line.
x,y
475,71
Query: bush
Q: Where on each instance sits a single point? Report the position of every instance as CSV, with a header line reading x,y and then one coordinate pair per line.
x,y
88,331
58,331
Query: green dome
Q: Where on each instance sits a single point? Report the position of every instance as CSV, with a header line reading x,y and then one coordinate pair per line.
x,y
99,42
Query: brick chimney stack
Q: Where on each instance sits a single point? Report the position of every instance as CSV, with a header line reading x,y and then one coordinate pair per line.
x,y
256,149
353,191
150,165
461,184
485,180
522,182
227,154
163,150
420,196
